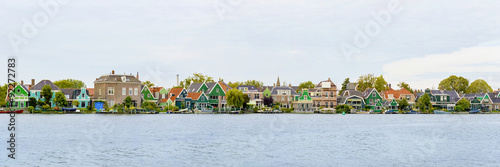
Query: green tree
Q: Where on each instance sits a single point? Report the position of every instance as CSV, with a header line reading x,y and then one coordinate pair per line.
x,y
370,81
344,85
246,100
234,84
459,84
69,83
404,85
424,103
402,104
60,99
149,84
235,98
75,103
128,101
255,83
463,103
343,108
479,86
32,102
196,78
46,94
306,85
40,103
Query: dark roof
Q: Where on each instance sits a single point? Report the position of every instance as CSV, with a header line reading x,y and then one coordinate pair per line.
x,y
353,93
320,85
495,100
367,92
42,83
275,90
194,87
73,93
210,86
68,92
249,87
266,87
454,97
117,78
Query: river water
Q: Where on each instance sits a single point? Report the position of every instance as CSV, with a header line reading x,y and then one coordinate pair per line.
x,y
253,140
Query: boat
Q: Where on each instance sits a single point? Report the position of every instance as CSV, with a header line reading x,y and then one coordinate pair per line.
x,y
391,112
475,111
10,112
441,112
413,112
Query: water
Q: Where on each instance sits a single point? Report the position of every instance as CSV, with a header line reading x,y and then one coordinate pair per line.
x,y
254,140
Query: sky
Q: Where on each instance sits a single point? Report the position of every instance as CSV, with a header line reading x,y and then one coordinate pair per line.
x,y
417,42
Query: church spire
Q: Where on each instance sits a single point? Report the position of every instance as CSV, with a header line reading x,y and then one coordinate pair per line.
x,y
278,82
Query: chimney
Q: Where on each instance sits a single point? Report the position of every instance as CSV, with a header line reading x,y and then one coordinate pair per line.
x,y
177,79
113,72
290,85
22,82
137,75
390,86
32,82
274,84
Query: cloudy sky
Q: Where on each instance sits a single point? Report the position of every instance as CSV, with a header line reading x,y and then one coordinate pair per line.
x,y
418,42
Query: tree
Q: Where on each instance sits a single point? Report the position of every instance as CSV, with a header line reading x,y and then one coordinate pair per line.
x,y
268,101
370,81
128,101
32,102
246,100
234,84
40,103
60,99
404,85
402,104
69,83
46,93
380,84
196,78
455,83
149,84
479,86
343,108
75,103
235,98
3,94
344,85
255,83
463,104
424,102
306,85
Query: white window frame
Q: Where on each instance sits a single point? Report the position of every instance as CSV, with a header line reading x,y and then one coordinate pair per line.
x,y
130,91
136,91
124,91
111,90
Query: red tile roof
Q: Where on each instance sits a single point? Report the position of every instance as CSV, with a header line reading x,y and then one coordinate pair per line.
x,y
396,93
224,86
176,92
91,91
194,96
155,89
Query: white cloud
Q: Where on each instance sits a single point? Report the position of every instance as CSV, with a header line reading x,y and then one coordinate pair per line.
x,y
424,72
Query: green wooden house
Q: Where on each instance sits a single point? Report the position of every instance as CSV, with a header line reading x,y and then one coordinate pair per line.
x,y
391,104
199,101
303,103
373,100
147,95
21,97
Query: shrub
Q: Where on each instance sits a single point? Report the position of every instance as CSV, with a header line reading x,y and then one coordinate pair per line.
x,y
45,107
459,108
31,109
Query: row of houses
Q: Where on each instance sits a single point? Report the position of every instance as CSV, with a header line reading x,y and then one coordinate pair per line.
x,y
114,88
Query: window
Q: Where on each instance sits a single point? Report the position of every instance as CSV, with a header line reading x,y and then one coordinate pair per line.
x,y
111,103
326,94
99,91
130,91
124,91
373,95
111,90
149,95
136,90
331,94
83,104
257,96
162,96
371,101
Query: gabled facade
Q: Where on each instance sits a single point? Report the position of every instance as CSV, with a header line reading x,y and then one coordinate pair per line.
x,y
199,101
445,99
352,97
21,96
179,97
36,90
391,104
373,100
303,103
324,95
390,96
147,95
81,95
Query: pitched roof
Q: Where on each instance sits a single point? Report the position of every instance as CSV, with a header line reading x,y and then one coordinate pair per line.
x,y
42,83
454,97
194,87
275,90
224,86
320,84
396,93
194,95
250,88
91,91
368,92
68,92
117,78
210,86
176,92
155,89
